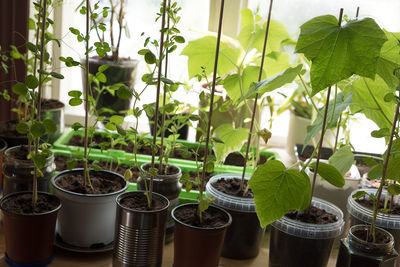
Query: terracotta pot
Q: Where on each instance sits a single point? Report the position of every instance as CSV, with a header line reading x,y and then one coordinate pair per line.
x,y
195,246
139,234
29,237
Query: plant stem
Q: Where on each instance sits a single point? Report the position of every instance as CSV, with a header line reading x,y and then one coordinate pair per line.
x,y
85,154
150,195
337,133
321,140
120,18
256,97
385,166
39,102
164,100
203,176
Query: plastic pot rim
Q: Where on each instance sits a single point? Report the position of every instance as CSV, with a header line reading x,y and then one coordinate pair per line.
x,y
228,223
369,246
127,194
5,198
163,177
63,173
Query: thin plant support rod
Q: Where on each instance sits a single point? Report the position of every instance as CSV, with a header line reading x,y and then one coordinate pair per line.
x,y
385,166
39,102
164,99
157,98
203,175
321,140
256,97
85,153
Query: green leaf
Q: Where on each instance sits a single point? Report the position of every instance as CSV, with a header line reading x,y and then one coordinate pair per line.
x,y
201,53
329,173
232,84
120,130
75,101
341,104
150,58
128,175
31,47
117,119
56,75
337,52
275,82
384,132
71,163
376,172
233,140
343,159
39,160
278,190
394,189
359,194
369,161
365,91
110,126
76,126
75,93
102,68
31,81
101,77
51,127
22,127
179,39
389,59
124,93
393,170
20,89
38,129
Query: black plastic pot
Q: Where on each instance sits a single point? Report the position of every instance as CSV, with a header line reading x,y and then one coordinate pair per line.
x,y
355,252
244,235
117,72
10,135
54,110
139,235
183,132
297,244
17,173
308,150
195,246
29,237
168,186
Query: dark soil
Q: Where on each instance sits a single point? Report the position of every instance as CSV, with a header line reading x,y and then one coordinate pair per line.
x,y
8,129
326,153
22,204
171,170
366,202
74,183
193,176
231,187
381,237
212,217
139,202
21,153
234,159
314,215
51,104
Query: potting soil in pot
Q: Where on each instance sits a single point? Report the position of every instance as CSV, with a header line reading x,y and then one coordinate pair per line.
x,y
211,218
139,202
75,183
244,235
22,204
304,238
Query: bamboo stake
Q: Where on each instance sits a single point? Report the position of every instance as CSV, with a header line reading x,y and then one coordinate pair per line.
x,y
157,98
85,154
321,140
256,97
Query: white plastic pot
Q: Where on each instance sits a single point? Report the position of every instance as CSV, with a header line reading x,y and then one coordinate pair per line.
x,y
87,220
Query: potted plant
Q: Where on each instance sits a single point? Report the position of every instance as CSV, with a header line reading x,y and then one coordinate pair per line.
x,y
296,239
199,228
231,191
142,215
370,245
87,219
120,71
30,216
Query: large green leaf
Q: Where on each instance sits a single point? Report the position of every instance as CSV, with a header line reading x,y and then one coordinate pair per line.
x,y
389,59
334,112
252,33
278,190
201,53
342,159
232,82
364,92
393,169
337,52
232,139
273,83
329,173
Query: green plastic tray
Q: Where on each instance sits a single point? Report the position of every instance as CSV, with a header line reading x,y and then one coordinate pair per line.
x,y
62,142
